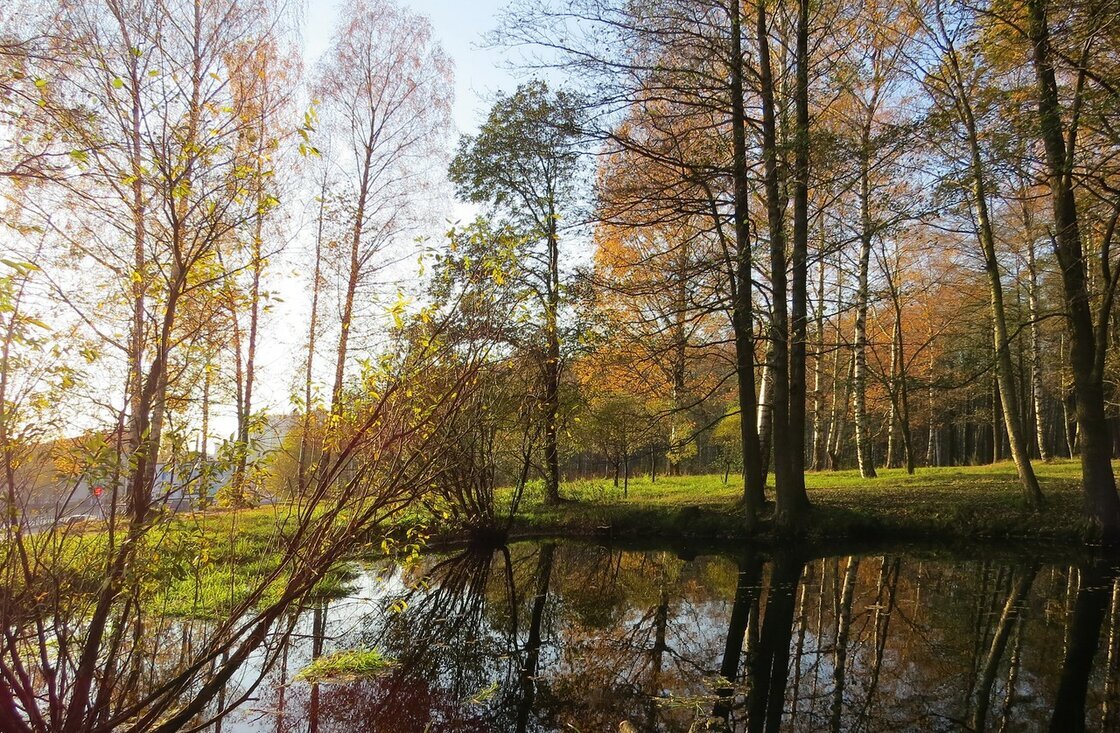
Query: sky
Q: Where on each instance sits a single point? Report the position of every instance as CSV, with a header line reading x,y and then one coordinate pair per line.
x,y
459,27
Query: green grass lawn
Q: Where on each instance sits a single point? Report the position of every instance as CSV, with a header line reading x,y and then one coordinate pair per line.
x,y
963,502
951,503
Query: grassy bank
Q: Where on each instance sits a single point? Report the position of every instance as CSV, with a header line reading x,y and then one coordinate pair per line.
x,y
973,502
204,563
196,565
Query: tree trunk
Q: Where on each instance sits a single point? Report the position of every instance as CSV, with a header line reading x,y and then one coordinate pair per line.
x,y
901,393
204,447
933,457
678,361
836,406
245,415
1088,345
892,384
818,368
1005,370
625,474
766,413
792,500
838,438
997,433
312,335
7,440
139,244
789,347
1038,395
353,277
864,452
742,320
779,318
904,421
552,369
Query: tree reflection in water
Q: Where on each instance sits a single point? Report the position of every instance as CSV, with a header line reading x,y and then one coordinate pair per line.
x,y
563,636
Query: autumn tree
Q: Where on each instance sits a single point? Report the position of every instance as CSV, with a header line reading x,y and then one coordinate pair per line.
x,y
955,87
158,160
871,123
1080,54
265,84
653,286
385,91
668,90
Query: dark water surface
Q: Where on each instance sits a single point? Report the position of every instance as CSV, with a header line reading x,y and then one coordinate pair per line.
x,y
576,637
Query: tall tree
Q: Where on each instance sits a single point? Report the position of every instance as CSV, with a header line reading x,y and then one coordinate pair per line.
x,y
264,82
953,82
788,316
524,163
385,90
1058,130
304,461
671,91
875,129
740,280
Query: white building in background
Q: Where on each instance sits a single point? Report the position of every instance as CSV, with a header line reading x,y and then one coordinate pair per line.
x,y
50,494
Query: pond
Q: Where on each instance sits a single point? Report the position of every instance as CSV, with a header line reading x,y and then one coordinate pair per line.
x,y
568,636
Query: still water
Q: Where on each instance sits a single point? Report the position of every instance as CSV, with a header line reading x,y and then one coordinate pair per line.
x,y
576,637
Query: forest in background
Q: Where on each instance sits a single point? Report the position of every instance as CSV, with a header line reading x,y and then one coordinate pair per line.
x,y
933,185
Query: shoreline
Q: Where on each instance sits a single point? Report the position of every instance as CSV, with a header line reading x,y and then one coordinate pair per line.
x,y
970,504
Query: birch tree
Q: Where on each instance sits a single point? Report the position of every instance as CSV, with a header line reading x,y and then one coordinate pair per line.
x,y
385,91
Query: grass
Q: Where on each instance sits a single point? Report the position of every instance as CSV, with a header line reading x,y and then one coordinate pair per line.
x,y
194,565
204,564
345,665
972,502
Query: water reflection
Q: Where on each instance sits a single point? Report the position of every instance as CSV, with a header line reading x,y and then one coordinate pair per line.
x,y
568,636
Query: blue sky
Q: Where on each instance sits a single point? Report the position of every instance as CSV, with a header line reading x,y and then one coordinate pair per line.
x,y
460,27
